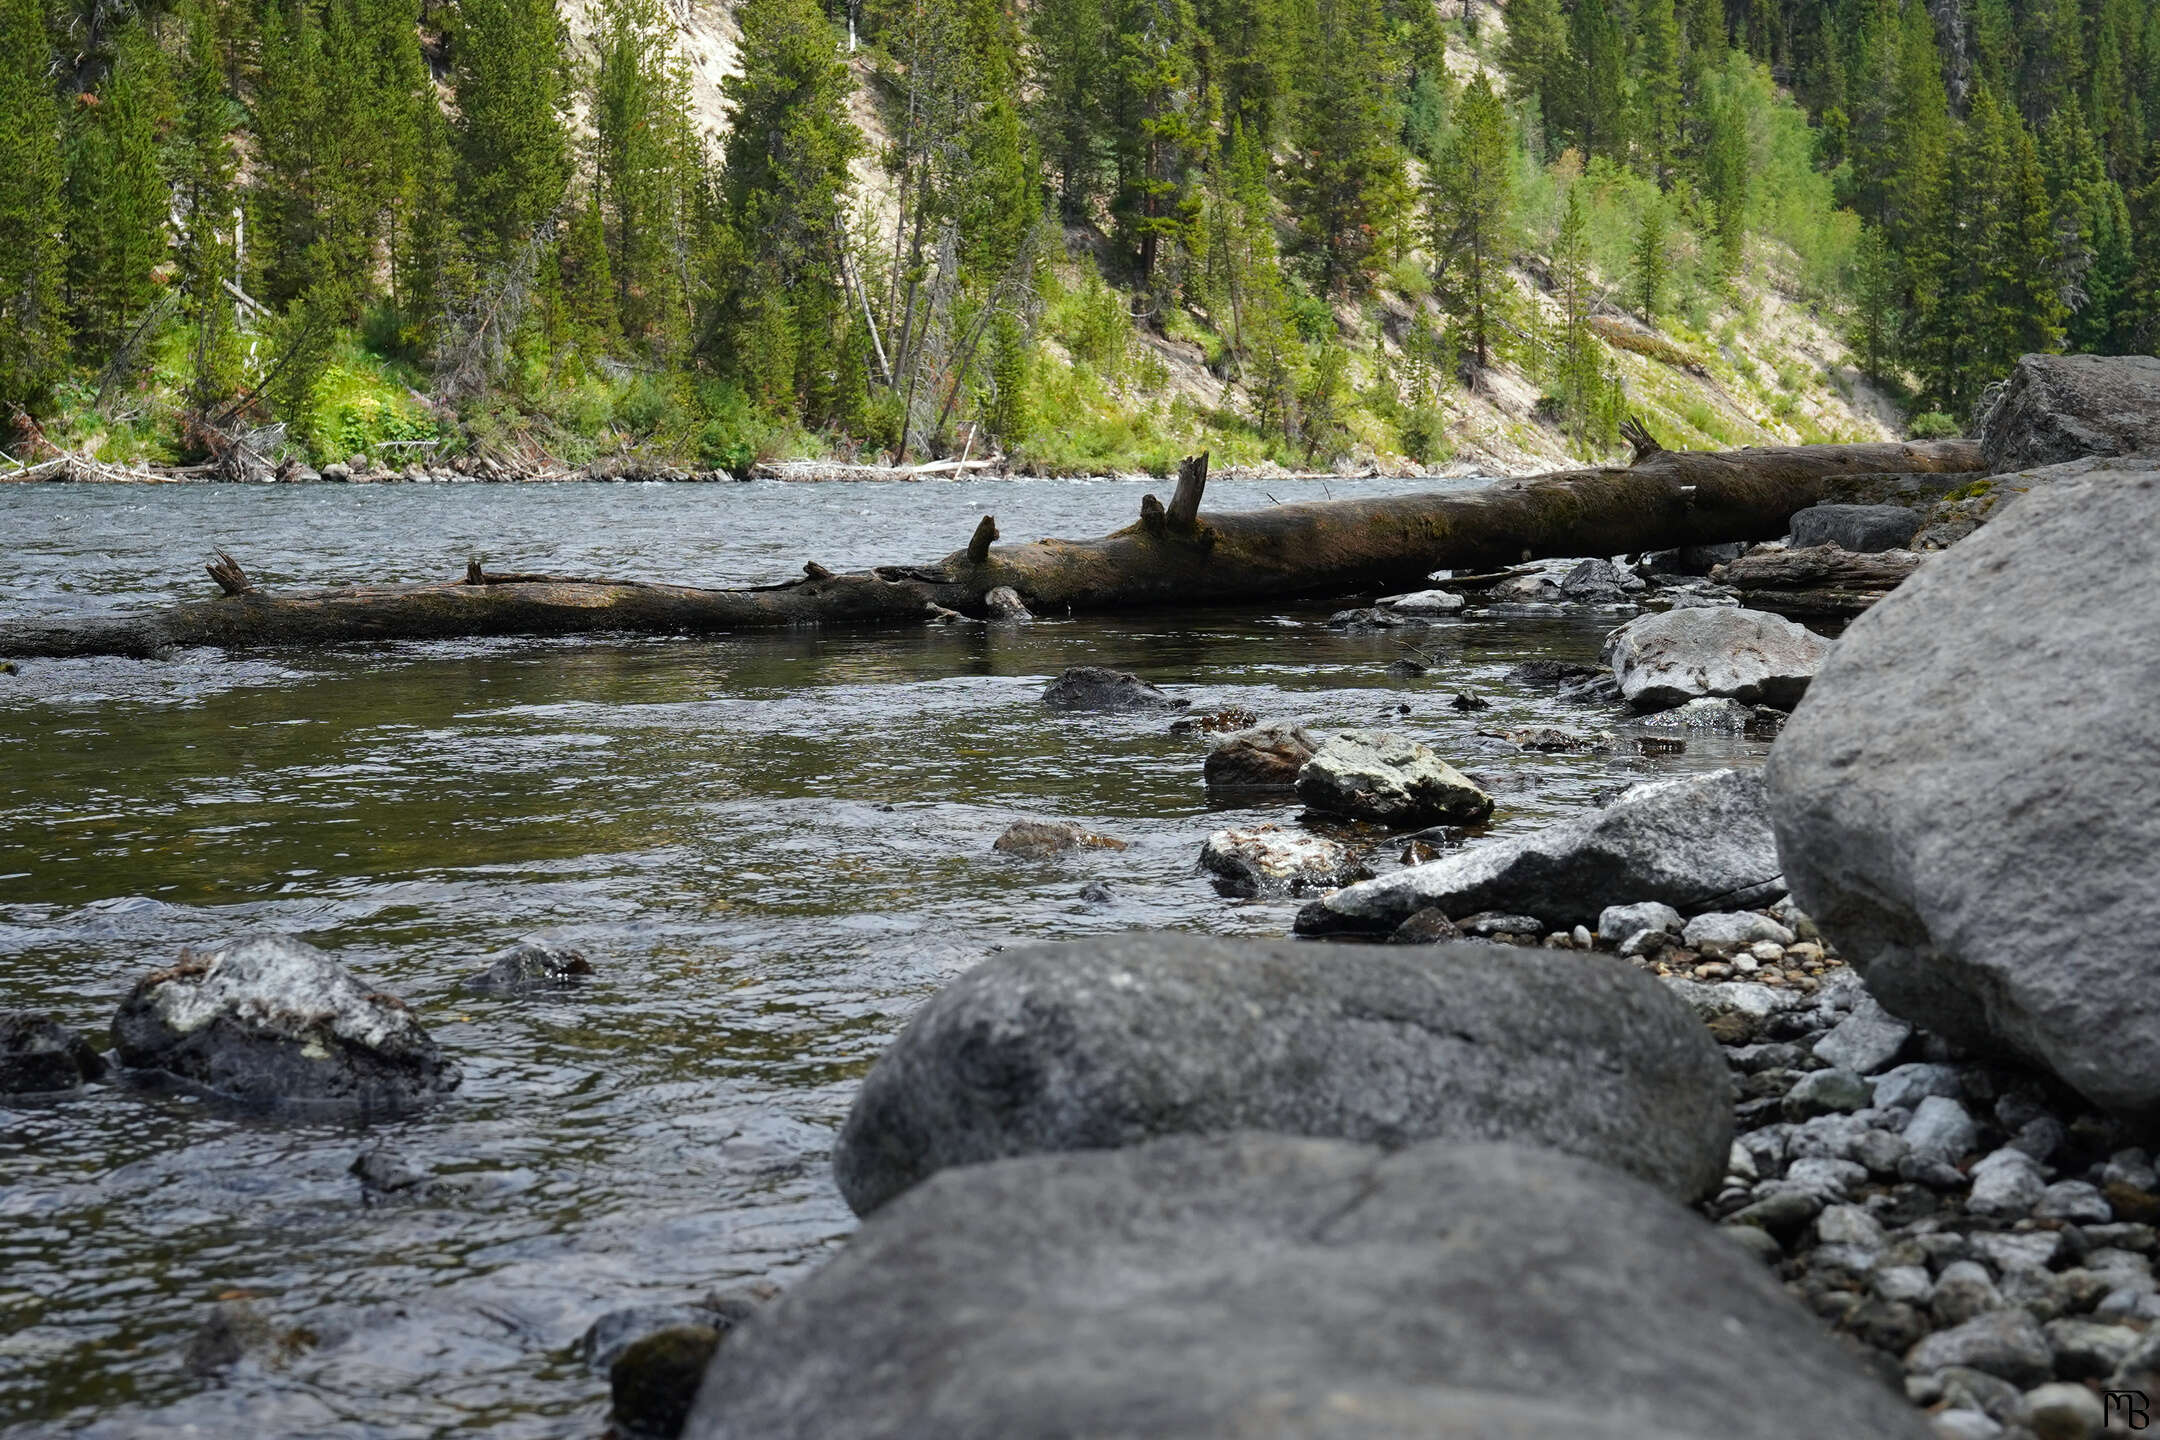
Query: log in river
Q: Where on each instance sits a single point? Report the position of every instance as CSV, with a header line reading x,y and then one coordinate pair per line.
x,y
1170,556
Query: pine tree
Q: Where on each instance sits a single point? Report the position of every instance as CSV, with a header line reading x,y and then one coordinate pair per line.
x,y
1535,60
1156,135
1344,179
1658,87
1243,54
2092,227
1471,211
1728,174
1598,81
1575,350
118,198
1647,263
1877,308
644,170
1067,40
33,327
1243,283
203,195
513,151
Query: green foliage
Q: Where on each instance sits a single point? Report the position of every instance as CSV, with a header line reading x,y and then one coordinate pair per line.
x,y
1344,177
118,199
1647,266
512,147
1933,425
356,403
645,167
33,328
1470,212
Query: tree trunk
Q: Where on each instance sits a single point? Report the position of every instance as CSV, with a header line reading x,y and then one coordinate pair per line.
x,y
1320,548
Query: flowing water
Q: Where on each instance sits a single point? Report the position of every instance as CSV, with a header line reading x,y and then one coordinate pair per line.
x,y
771,847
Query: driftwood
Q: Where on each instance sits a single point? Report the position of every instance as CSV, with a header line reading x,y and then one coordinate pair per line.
x,y
1172,557
1822,582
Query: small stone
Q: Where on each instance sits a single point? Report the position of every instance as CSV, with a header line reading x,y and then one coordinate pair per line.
x,y
2063,1412
2075,1201
2006,1185
1429,926
1880,1151
1736,929
1764,952
1964,1425
2014,1250
2039,1137
1757,1242
1004,603
1617,923
1041,839
1864,1041
38,1055
2129,1202
2121,1235
2132,1167
2007,1344
1097,892
1781,1212
1582,938
1830,1178
1489,924
1907,1085
1826,1092
529,967
1267,861
232,1331
2089,1349
655,1380
1741,1164
1903,1284
1849,1225
1713,970
1964,1289
1648,944
1941,1130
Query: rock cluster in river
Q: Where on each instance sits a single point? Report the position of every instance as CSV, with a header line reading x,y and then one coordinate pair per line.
x,y
39,1055
1390,779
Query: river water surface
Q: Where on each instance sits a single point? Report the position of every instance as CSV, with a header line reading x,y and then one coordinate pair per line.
x,y
771,847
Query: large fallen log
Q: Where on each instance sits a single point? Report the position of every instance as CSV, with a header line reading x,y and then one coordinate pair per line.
x,y
1174,556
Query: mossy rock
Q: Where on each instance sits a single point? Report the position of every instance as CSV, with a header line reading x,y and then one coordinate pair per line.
x,y
655,1380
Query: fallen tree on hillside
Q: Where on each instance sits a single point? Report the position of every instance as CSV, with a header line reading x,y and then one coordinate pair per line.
x,y
1172,556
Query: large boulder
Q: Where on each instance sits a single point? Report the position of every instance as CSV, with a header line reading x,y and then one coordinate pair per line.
x,y
1267,861
1391,779
1697,843
1968,803
2061,407
1091,687
1675,656
1266,1285
1111,1041
1862,529
1263,759
38,1055
270,1020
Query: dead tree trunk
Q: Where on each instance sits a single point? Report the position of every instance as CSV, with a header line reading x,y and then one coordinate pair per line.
x,y
1169,558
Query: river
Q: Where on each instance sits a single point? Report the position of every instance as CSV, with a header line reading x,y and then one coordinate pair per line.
x,y
771,848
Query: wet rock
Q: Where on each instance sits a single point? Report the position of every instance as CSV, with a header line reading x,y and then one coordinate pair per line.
x,y
1041,839
1861,529
529,967
1700,842
384,1173
38,1054
1670,658
1492,924
1712,713
1424,603
1091,687
655,1380
1617,923
1389,779
1551,674
1733,930
1430,926
2007,1344
1977,835
2062,407
1464,700
1267,860
1270,1285
1551,740
1599,582
233,1331
1111,1041
1097,892
1267,758
1230,718
2062,1412
271,1020
1864,1041
1004,603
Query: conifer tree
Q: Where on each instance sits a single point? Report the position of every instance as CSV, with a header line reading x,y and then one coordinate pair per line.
x,y
513,151
1156,134
33,327
1728,174
1535,60
644,171
203,196
1658,87
1878,300
2092,228
118,198
1243,283
1647,263
1242,52
1597,80
1575,359
1067,40
1344,179
1471,213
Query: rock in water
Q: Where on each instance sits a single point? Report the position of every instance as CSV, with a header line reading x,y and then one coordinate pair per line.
x,y
1041,839
1862,529
38,1054
654,1381
1265,1285
1091,687
531,966
2062,407
1267,860
1670,658
1111,1041
271,1020
1268,758
1969,804
1701,842
1375,775
1423,602
1004,603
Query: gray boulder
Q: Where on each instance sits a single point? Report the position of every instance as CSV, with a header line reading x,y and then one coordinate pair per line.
x,y
270,1020
40,1055
2061,407
1264,1285
1091,687
530,967
1700,842
1269,861
1862,529
1388,778
1003,602
1267,758
1616,923
1423,602
1968,804
1112,1041
1675,656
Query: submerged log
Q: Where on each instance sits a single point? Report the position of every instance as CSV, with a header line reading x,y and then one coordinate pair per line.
x,y
1320,548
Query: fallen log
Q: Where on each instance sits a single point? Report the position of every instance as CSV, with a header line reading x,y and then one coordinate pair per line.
x,y
1175,556
1822,582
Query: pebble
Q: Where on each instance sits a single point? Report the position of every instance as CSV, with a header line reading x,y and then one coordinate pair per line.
x,y
2006,1184
1824,1092
1941,1130
2088,1349
1963,1290
2075,1201
2008,1344
2063,1412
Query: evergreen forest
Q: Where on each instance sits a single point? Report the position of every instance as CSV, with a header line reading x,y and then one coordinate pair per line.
x,y
923,228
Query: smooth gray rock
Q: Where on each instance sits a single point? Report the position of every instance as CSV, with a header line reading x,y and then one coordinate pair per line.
x,y
1941,1129
271,1020
1906,1086
2006,1184
1617,923
1669,658
530,967
1826,1092
1864,1041
38,1055
1270,861
1262,1285
1264,759
2061,407
1108,1042
1390,779
2062,1411
1696,843
1423,602
1733,929
2076,1202
1968,802
1963,1290
1862,529
2007,1344
1092,687
2087,1349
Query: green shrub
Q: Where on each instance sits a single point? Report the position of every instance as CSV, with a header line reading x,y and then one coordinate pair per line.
x,y
1933,425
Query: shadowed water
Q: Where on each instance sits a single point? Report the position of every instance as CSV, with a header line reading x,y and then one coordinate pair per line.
x,y
772,848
